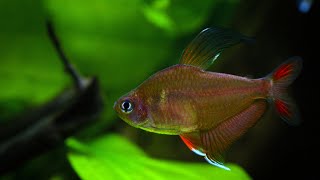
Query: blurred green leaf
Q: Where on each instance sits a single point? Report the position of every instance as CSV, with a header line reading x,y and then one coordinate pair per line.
x,y
30,71
113,157
180,17
156,14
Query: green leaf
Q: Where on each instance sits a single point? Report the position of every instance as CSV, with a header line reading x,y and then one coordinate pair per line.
x,y
180,17
114,157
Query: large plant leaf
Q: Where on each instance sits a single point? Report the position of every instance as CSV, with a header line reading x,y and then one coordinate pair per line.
x,y
114,157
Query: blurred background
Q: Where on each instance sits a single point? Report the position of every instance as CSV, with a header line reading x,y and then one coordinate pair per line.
x,y
115,45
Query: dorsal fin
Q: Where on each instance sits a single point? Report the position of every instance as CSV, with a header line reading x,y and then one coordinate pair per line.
x,y
205,48
214,142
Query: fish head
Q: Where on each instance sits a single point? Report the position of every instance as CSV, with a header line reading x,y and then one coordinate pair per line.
x,y
132,110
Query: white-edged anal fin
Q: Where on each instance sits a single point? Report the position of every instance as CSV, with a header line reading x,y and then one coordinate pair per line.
x,y
214,142
192,140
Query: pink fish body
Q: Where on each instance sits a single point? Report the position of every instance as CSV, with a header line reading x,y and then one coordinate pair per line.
x,y
208,110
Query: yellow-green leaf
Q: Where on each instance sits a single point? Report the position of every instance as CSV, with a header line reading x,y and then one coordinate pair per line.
x,y
114,157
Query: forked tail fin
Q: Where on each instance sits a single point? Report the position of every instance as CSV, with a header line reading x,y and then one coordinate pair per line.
x,y
281,78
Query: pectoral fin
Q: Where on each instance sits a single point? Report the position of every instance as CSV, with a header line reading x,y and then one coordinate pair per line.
x,y
214,142
207,46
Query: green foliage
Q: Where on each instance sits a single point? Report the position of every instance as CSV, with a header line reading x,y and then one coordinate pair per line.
x,y
179,17
30,72
122,42
113,157
110,39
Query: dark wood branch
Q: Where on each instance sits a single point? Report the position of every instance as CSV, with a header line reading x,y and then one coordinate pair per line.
x,y
78,82
44,128
60,118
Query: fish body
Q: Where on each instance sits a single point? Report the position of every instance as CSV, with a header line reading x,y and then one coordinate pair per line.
x,y
184,98
208,110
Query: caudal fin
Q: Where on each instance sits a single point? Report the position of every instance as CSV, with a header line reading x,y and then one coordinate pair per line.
x,y
281,78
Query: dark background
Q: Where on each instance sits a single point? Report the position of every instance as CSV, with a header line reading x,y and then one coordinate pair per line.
x,y
293,153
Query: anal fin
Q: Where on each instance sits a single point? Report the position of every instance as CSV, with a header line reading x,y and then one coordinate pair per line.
x,y
214,142
192,140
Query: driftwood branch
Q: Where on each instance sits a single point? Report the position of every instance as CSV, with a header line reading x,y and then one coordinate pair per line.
x,y
78,82
44,128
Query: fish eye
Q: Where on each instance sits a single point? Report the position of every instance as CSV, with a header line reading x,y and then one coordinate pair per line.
x,y
126,106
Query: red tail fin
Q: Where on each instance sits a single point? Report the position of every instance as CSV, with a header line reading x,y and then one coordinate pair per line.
x,y
281,78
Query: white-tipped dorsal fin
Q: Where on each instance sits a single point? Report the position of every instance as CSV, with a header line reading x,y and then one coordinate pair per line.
x,y
205,48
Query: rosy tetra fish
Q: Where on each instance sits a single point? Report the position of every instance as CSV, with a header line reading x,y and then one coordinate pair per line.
x,y
208,110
